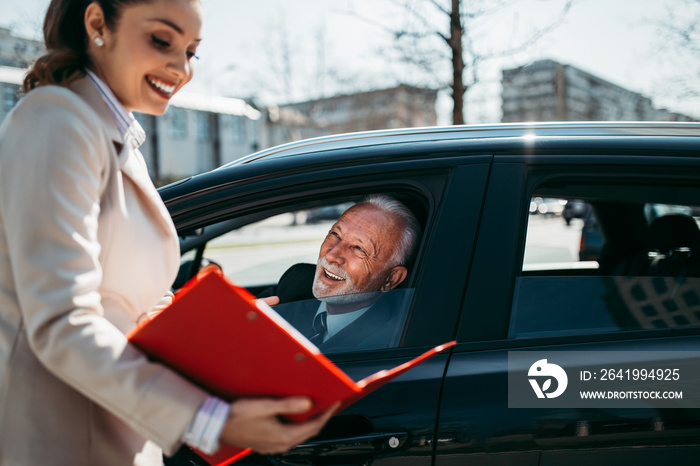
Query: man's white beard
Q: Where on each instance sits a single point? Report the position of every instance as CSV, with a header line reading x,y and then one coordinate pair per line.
x,y
347,294
350,298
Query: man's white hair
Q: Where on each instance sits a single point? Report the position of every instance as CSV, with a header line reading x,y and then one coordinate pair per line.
x,y
411,228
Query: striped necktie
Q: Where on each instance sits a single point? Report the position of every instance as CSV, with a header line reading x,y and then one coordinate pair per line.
x,y
319,328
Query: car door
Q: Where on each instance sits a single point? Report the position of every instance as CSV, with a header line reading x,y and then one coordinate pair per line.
x,y
566,312
398,421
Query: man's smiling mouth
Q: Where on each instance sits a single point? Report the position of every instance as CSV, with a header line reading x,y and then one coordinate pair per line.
x,y
333,276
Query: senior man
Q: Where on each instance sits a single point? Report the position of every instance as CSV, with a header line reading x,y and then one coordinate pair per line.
x,y
364,255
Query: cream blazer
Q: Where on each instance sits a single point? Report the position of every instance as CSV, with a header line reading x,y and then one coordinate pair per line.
x,y
86,248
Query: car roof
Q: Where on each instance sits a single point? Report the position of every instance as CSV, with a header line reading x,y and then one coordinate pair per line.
x,y
512,135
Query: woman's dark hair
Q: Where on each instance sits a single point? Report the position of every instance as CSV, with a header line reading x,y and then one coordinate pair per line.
x,y
66,40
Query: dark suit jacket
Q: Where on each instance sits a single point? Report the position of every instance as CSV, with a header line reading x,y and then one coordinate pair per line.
x,y
379,327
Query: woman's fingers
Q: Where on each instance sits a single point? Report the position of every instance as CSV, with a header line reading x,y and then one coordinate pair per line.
x,y
256,423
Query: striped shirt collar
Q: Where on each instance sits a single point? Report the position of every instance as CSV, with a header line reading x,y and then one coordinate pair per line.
x,y
133,133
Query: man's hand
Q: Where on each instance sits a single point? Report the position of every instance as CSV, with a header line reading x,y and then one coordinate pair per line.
x,y
270,300
255,423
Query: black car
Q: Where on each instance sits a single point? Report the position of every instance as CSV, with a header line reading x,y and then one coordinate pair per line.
x,y
505,284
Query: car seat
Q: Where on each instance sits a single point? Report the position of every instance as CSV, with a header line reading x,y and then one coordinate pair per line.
x,y
674,246
295,284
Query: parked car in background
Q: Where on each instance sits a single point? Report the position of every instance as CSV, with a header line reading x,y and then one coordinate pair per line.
x,y
489,275
574,208
547,206
592,241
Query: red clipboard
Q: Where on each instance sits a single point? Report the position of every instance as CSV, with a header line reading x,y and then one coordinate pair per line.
x,y
223,339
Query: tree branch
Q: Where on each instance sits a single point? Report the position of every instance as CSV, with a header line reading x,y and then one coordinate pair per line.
x,y
540,32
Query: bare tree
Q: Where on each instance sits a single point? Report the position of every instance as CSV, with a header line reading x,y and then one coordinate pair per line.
x,y
295,67
437,33
681,26
679,34
283,62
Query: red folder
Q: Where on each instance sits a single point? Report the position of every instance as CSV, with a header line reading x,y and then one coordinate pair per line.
x,y
220,337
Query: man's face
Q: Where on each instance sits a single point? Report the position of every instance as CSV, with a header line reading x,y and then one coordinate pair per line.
x,y
355,254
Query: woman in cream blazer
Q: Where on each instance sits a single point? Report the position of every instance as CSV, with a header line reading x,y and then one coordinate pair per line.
x,y
78,268
87,248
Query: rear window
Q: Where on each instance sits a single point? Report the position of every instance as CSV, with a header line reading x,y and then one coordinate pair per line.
x,y
599,266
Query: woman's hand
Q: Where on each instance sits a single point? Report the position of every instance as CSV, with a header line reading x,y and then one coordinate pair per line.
x,y
255,423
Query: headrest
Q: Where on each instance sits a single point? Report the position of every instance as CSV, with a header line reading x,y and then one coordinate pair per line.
x,y
296,283
673,231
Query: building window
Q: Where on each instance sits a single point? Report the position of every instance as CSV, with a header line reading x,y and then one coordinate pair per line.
x,y
143,121
203,126
237,129
9,96
178,124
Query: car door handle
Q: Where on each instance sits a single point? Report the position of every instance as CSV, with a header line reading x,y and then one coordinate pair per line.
x,y
367,444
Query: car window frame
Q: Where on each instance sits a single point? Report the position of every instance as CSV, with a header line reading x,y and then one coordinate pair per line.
x,y
512,183
281,192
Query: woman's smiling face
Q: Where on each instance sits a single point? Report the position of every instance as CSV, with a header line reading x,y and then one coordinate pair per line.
x,y
147,56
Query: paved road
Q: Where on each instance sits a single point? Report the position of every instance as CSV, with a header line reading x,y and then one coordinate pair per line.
x,y
260,253
551,240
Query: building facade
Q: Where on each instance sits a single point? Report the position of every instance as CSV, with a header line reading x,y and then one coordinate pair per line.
x,y
17,51
198,133
286,124
10,84
398,107
550,91
16,54
201,132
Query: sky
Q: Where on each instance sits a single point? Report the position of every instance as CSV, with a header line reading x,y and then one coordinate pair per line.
x,y
245,43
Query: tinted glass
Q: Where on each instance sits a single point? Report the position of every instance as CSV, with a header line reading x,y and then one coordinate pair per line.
x,y
601,266
581,305
562,234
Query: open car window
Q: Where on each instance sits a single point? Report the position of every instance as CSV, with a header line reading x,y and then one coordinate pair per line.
x,y
276,255
256,255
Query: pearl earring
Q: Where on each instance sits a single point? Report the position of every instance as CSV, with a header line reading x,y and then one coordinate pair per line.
x,y
99,42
